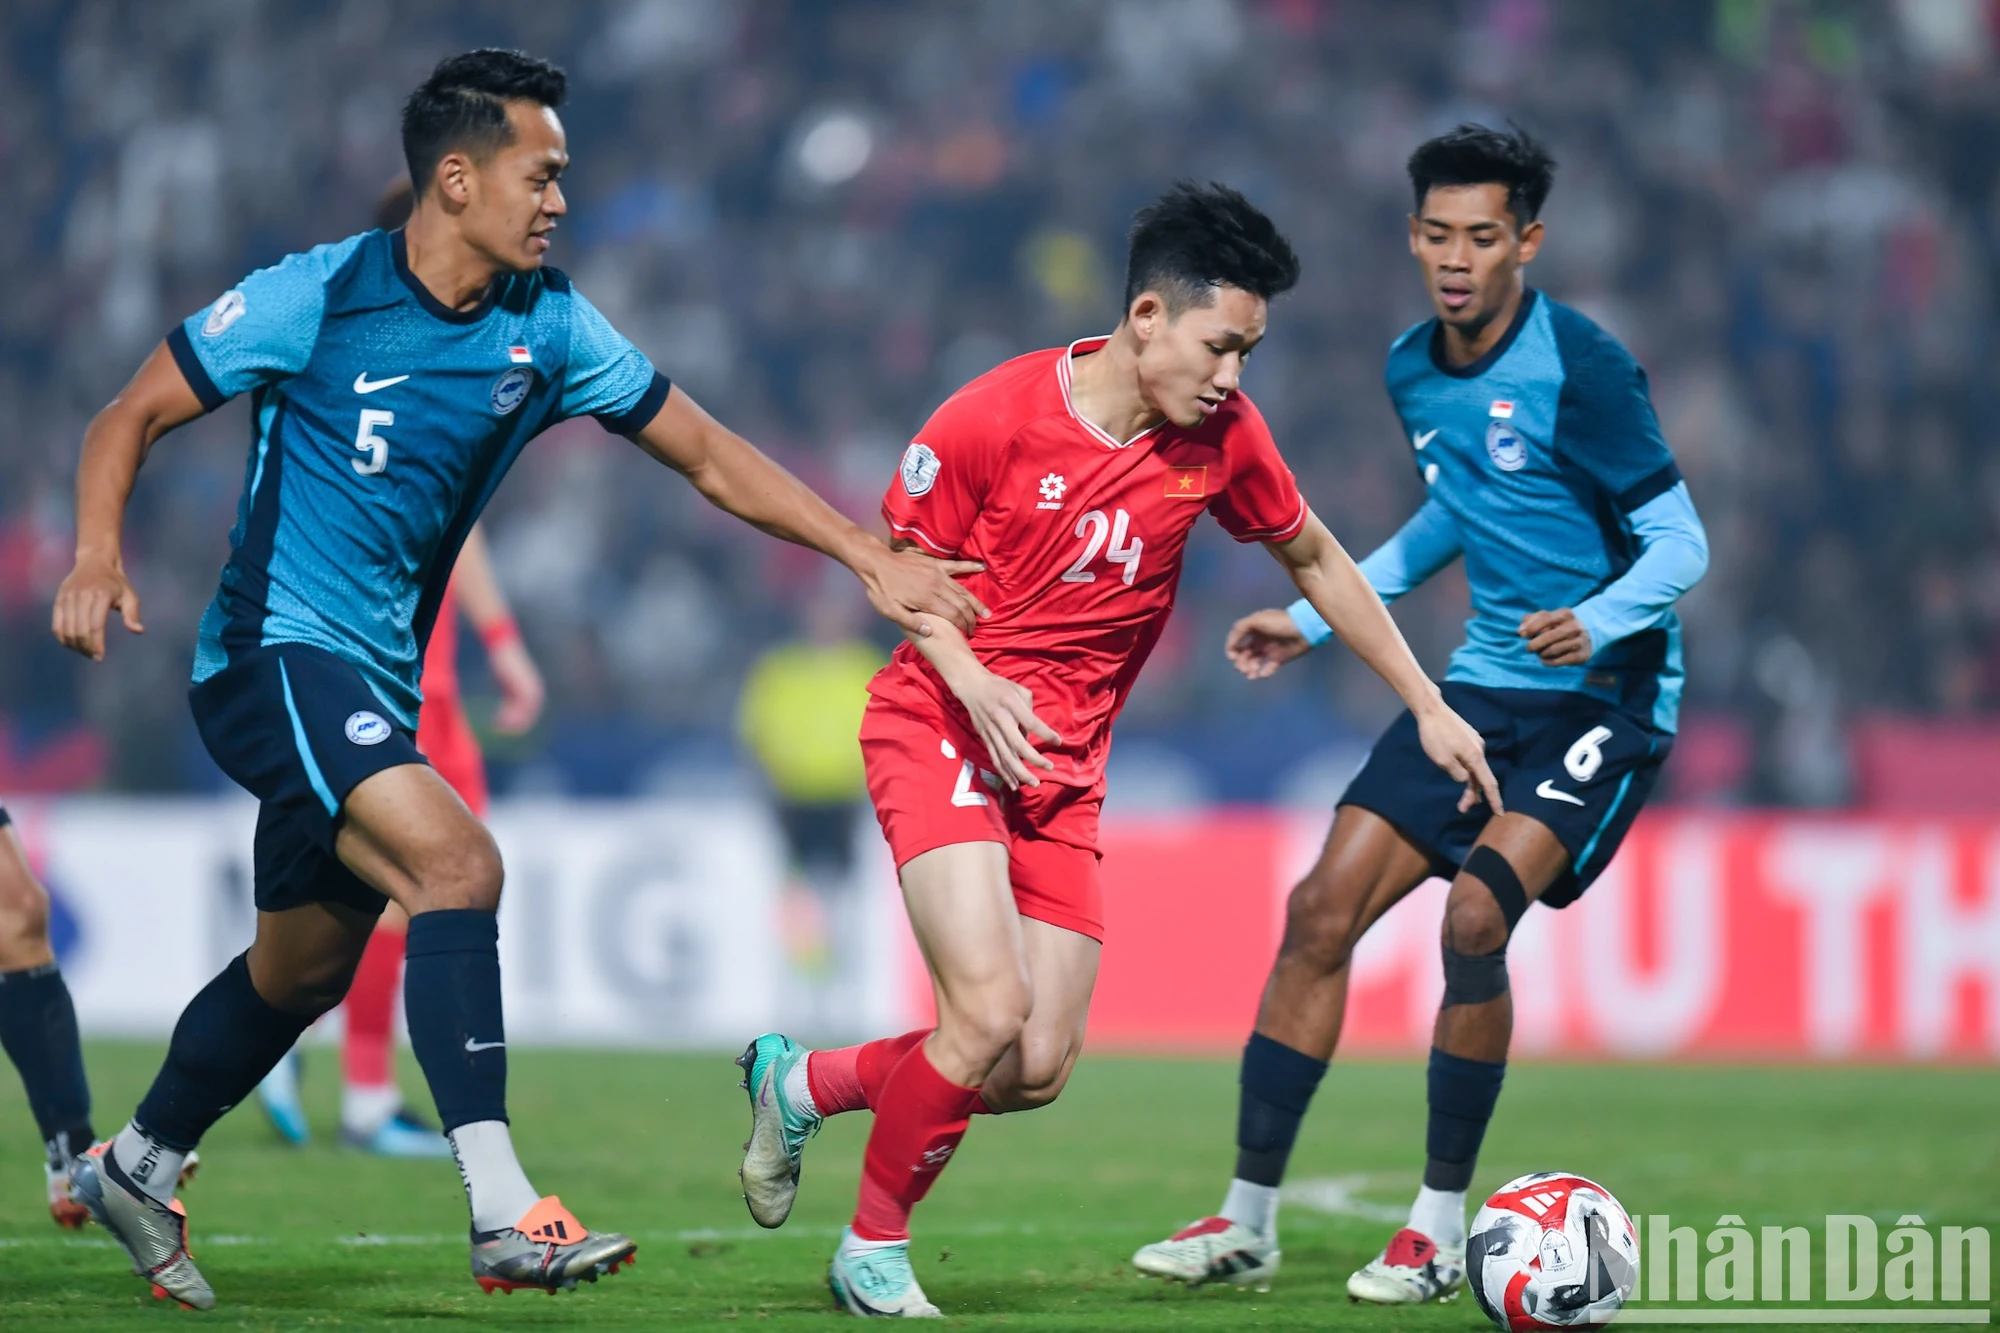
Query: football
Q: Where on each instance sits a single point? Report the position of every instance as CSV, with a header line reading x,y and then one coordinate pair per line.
x,y
1551,1250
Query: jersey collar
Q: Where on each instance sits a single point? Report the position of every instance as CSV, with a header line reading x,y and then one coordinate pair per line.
x,y
400,252
1097,432
1472,370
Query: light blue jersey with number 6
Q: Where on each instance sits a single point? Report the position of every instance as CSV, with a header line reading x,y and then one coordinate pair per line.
x,y
381,422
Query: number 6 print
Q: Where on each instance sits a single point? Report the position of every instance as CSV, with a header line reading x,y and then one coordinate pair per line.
x,y
1587,755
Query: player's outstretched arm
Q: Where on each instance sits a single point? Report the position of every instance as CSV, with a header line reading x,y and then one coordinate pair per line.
x,y
114,446
522,691
1262,642
1673,555
1002,711
1343,596
732,474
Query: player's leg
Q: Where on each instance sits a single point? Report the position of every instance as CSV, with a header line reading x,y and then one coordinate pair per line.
x,y
229,1036
407,833
1062,972
235,1029
373,1114
962,913
1514,862
927,794
1577,774
1060,897
1366,867
38,1025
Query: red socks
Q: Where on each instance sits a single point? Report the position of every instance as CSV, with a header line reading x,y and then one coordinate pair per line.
x,y
920,1116
851,1078
367,1056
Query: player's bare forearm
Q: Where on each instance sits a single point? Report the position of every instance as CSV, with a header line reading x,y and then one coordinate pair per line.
x,y
737,477
1341,593
1002,711
115,445
479,592
522,689
1327,577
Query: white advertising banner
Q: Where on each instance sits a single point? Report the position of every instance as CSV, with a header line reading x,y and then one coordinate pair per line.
x,y
643,923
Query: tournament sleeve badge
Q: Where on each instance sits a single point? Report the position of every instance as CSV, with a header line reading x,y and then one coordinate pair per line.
x,y
228,308
919,469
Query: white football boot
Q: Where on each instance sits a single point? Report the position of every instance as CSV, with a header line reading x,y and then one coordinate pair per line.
x,y
874,1278
1410,1271
1214,1249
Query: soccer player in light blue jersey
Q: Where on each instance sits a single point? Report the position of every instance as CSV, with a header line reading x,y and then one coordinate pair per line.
x,y
393,378
1544,469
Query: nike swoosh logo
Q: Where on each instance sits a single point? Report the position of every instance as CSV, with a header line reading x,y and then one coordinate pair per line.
x,y
362,384
472,1045
1423,438
1548,791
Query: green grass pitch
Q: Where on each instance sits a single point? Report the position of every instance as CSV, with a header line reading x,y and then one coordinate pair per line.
x,y
1032,1226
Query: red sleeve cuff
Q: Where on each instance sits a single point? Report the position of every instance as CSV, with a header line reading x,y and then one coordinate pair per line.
x,y
919,536
1278,534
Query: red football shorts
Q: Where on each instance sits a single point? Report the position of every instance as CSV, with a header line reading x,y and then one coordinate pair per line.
x,y
929,792
444,735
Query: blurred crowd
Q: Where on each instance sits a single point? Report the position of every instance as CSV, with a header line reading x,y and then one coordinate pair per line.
x,y
821,216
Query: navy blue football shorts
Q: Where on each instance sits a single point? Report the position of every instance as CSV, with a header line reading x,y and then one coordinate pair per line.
x,y
1579,765
298,728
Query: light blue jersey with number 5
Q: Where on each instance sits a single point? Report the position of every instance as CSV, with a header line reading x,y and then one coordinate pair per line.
x,y
381,422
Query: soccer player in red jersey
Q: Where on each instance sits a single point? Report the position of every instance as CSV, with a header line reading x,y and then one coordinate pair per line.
x,y
1074,475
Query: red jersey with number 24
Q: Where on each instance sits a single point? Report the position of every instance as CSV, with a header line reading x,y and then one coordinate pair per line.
x,y
1082,538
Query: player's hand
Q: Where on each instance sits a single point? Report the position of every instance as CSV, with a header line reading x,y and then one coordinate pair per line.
x,y
1454,746
1003,713
522,692
1557,637
906,586
1263,641
88,596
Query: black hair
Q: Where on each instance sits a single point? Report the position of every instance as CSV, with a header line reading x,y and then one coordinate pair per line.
x,y
463,104
1480,155
1194,238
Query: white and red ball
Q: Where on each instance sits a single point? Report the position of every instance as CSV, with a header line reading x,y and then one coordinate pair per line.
x,y
1551,1250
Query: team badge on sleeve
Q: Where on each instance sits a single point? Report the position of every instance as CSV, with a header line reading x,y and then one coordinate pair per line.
x,y
228,308
919,469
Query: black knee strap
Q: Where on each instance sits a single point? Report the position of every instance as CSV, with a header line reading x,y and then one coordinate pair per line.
x,y
1473,978
1492,870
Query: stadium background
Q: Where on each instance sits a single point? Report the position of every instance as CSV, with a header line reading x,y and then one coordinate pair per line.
x,y
819,218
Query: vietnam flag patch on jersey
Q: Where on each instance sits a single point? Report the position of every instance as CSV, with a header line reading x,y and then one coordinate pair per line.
x,y
1187,483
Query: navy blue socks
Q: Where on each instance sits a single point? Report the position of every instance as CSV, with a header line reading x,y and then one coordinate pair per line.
x,y
451,997
38,1032
1462,1096
1277,1085
227,1039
